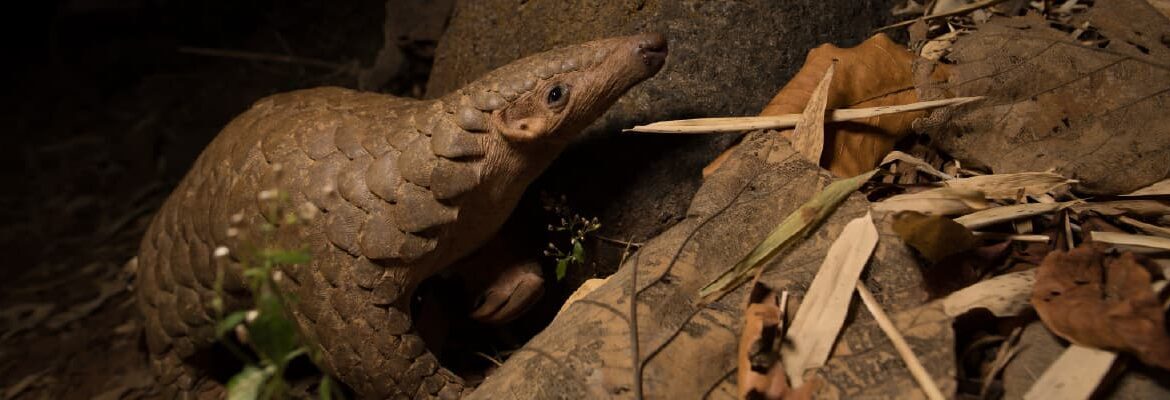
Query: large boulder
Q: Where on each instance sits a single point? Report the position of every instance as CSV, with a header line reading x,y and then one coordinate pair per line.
x,y
727,58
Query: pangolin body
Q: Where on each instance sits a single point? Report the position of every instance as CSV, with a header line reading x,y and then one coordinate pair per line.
x,y
401,189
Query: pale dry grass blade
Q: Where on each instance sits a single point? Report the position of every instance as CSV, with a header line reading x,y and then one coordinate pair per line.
x,y
786,121
1074,375
917,163
1145,227
1131,240
1015,237
821,316
992,216
912,363
809,136
1161,187
1008,186
1005,295
941,201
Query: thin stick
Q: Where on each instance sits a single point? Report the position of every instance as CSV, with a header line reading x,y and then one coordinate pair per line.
x,y
635,358
784,121
244,55
957,11
916,369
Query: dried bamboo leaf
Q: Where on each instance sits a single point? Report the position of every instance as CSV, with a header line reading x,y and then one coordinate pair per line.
x,y
1126,239
1075,375
1008,186
1005,295
917,162
996,215
1144,227
787,121
821,316
792,228
941,201
809,136
1160,187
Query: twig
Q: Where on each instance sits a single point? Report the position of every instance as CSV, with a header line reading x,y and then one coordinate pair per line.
x,y
489,358
916,369
626,243
957,11
635,359
784,121
244,55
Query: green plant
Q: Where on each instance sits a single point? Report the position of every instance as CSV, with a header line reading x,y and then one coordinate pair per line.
x,y
572,224
266,327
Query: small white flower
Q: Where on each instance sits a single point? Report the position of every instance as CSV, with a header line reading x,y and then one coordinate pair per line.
x,y
251,316
267,194
237,218
277,276
307,211
233,232
221,251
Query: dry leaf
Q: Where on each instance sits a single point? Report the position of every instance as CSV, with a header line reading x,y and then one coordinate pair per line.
x,y
941,201
808,138
1096,111
1150,208
1102,301
935,237
1126,239
1160,187
1009,186
918,163
760,372
875,73
1075,375
1145,227
992,216
1005,295
821,315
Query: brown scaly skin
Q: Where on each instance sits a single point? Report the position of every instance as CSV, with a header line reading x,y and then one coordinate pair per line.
x,y
404,188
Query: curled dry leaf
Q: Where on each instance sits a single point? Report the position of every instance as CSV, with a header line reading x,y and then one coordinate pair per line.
x,y
941,201
760,372
1009,186
934,237
874,73
1102,301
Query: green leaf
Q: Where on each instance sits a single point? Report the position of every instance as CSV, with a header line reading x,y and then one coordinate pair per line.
x,y
229,322
325,389
246,384
286,257
272,334
562,267
578,252
795,226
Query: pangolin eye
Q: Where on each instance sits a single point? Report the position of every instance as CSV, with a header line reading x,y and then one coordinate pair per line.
x,y
558,95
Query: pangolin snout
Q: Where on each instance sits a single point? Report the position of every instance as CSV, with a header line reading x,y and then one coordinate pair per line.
x,y
652,48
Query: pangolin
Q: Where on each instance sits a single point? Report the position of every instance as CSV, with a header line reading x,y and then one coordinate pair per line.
x,y
401,188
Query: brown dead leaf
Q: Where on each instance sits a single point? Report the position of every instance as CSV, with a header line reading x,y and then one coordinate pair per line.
x,y
808,137
1102,301
874,73
1093,111
760,373
935,237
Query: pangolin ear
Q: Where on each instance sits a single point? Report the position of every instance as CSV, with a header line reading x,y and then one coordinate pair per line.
x,y
522,122
524,129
